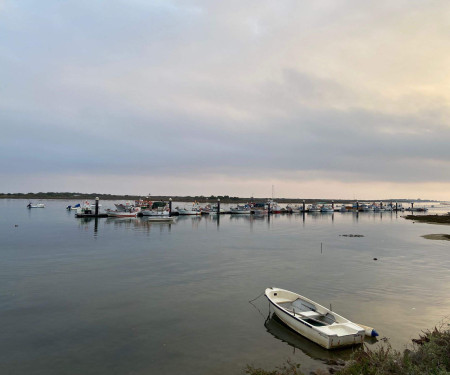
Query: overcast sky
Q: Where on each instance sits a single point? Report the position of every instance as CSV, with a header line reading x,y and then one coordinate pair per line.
x,y
320,99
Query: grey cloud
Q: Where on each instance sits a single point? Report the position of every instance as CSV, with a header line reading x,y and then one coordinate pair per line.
x,y
192,90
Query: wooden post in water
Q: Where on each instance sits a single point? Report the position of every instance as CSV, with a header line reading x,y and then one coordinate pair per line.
x,y
218,206
396,206
412,205
332,205
304,205
96,206
357,206
268,208
381,204
170,207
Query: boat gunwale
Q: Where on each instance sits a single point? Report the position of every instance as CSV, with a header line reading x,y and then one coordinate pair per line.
x,y
297,318
300,319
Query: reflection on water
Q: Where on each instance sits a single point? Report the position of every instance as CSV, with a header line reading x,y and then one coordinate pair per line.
x,y
282,332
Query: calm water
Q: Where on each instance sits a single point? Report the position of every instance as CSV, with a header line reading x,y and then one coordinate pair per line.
x,y
129,297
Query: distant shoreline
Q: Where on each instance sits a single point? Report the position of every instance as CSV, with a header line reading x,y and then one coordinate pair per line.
x,y
200,199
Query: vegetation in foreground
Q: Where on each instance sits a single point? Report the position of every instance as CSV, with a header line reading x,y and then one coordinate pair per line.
x,y
429,354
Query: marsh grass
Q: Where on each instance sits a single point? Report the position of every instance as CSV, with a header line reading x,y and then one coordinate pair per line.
x,y
429,354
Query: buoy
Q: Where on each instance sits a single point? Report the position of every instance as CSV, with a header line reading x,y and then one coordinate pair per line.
x,y
375,258
369,331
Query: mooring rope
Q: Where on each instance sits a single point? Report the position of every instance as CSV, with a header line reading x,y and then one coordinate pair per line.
x,y
254,299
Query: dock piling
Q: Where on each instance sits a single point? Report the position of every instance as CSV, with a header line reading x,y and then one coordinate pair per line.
x,y
170,207
96,206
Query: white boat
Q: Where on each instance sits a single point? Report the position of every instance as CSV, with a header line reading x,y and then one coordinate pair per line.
x,y
313,321
124,211
37,205
126,207
212,210
294,209
241,210
194,210
130,213
313,208
274,207
155,213
327,209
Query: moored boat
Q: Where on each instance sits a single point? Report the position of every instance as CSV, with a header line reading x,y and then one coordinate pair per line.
x,y
313,321
194,210
156,209
37,205
74,207
259,209
130,213
241,209
274,207
326,209
313,208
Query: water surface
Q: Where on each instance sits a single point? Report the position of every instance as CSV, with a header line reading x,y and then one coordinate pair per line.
x,y
124,296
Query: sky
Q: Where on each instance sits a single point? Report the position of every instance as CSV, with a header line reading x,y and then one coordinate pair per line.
x,y
336,99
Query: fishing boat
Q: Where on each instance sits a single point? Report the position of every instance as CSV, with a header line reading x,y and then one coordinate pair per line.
x,y
326,209
194,210
315,322
156,209
274,207
294,209
241,210
127,213
313,208
259,209
37,205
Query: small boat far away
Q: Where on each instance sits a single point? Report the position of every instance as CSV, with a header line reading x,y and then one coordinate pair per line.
x,y
315,322
37,205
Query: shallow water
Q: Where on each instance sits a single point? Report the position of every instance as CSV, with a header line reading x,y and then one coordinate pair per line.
x,y
124,296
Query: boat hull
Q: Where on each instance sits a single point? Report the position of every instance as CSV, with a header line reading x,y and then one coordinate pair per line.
x,y
122,214
155,213
189,212
336,335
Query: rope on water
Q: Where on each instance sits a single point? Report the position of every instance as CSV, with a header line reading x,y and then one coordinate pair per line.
x,y
254,299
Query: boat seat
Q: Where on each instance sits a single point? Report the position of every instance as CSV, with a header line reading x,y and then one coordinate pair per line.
x,y
309,314
301,305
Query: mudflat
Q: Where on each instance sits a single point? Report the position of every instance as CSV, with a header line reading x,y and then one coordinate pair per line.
x,y
432,219
445,237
